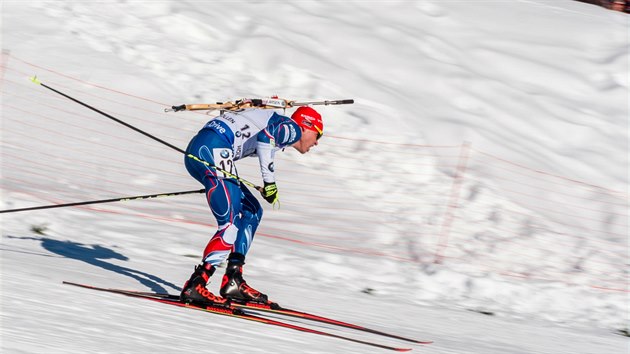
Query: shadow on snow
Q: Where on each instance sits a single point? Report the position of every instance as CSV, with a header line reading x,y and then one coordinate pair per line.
x,y
96,255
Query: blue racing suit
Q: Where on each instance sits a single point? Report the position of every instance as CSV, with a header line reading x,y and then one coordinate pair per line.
x,y
223,140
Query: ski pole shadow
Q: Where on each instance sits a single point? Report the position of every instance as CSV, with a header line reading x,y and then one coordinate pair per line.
x,y
97,255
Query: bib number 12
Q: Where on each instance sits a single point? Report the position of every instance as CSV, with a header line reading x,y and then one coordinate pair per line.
x,y
223,159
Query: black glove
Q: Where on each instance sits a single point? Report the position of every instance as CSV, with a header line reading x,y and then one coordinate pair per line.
x,y
181,107
270,192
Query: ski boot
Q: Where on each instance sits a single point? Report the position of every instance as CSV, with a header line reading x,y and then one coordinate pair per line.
x,y
234,287
195,290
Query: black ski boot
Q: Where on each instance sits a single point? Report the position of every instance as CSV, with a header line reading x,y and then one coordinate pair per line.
x,y
195,291
234,287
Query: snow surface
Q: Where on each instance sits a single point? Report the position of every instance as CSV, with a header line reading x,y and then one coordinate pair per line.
x,y
530,219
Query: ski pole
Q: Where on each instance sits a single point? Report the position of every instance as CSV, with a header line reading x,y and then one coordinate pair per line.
x,y
35,80
226,173
123,199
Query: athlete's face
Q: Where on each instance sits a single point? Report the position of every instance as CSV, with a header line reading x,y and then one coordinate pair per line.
x,y
307,141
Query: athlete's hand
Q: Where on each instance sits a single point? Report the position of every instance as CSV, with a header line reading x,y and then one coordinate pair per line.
x,y
270,192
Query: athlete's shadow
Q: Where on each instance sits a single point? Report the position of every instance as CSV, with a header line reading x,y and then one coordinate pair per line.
x,y
96,255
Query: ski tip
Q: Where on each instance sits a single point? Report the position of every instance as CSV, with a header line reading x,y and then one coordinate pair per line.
x,y
402,349
35,80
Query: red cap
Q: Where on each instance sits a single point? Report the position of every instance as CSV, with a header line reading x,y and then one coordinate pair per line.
x,y
308,118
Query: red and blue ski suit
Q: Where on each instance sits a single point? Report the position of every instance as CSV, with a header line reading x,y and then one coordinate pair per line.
x,y
223,140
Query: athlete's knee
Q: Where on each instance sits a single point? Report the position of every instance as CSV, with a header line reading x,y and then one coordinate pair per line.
x,y
254,208
229,233
258,212
221,244
252,216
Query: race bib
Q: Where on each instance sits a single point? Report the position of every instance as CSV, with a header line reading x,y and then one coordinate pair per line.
x,y
224,160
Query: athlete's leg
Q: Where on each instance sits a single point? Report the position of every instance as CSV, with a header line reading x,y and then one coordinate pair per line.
x,y
225,202
224,198
233,285
222,194
251,214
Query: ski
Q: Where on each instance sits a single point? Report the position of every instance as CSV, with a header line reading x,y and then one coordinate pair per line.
x,y
277,309
317,318
235,312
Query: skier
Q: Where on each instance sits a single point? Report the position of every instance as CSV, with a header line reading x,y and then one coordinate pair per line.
x,y
223,140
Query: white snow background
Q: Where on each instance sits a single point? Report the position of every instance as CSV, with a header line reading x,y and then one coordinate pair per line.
x,y
491,136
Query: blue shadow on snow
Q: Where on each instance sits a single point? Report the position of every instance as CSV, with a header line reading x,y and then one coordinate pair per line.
x,y
96,255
